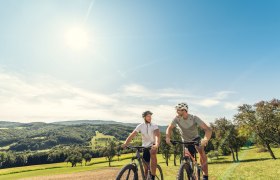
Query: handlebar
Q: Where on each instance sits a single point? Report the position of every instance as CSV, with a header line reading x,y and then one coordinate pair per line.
x,y
185,143
139,147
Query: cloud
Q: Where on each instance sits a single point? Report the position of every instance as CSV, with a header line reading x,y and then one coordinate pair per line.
x,y
43,98
232,105
208,102
215,100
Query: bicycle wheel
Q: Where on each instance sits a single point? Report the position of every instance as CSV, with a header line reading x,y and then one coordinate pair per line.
x,y
185,172
197,172
159,174
128,172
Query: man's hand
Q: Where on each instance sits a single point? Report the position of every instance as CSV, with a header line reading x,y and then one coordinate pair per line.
x,y
154,148
204,142
168,140
124,145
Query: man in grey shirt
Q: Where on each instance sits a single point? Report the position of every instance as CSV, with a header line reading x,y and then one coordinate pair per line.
x,y
188,125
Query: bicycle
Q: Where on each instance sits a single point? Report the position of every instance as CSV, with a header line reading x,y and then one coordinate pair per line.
x,y
125,172
189,169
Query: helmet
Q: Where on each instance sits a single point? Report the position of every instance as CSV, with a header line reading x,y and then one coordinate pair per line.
x,y
182,106
144,114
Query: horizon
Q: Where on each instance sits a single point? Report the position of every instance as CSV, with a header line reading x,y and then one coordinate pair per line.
x,y
91,59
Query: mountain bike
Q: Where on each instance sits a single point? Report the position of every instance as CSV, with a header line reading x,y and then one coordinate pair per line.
x,y
189,169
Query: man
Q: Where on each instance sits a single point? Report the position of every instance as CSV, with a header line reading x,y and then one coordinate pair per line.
x,y
187,125
150,137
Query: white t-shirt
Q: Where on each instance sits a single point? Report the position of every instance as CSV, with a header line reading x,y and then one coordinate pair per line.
x,y
147,133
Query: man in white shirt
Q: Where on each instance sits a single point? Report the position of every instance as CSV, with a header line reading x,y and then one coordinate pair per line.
x,y
150,137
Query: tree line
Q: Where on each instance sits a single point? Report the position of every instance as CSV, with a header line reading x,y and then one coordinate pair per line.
x,y
257,124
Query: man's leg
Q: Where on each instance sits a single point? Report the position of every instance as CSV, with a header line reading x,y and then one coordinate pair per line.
x,y
203,160
145,169
146,157
153,162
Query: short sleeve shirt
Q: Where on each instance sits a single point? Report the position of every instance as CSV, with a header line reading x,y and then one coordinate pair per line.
x,y
147,133
188,128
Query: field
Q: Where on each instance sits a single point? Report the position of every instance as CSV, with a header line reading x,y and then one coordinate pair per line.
x,y
252,165
100,140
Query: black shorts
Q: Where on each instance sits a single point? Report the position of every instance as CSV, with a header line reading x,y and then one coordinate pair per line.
x,y
191,148
146,155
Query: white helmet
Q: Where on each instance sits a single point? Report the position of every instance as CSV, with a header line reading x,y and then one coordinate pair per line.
x,y
182,106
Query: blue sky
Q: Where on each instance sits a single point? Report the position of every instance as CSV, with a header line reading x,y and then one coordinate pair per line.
x,y
111,60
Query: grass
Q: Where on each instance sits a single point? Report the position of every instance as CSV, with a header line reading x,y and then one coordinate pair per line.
x,y
100,140
252,165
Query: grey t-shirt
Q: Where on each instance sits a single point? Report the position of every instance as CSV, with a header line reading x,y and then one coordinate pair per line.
x,y
188,128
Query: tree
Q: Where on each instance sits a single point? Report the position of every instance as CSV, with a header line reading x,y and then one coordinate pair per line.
x,y
9,160
110,152
177,149
87,158
74,158
3,157
119,150
165,149
263,120
227,137
20,160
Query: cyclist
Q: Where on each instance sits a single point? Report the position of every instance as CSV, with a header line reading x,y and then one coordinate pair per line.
x,y
150,137
187,125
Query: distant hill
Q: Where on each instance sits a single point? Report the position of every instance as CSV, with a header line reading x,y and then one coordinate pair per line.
x,y
95,122
7,124
98,122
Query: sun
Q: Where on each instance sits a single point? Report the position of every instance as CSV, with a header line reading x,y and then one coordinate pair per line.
x,y
77,38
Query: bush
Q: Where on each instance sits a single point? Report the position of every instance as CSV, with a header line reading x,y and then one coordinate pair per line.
x,y
212,154
260,150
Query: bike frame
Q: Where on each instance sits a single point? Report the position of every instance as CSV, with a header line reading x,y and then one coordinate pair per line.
x,y
187,157
141,162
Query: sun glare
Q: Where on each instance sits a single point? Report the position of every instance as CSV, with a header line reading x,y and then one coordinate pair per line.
x,y
77,38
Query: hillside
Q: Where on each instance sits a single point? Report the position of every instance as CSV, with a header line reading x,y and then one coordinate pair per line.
x,y
41,136
98,122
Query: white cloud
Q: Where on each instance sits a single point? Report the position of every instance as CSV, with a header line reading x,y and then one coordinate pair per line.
x,y
208,102
217,99
232,105
42,98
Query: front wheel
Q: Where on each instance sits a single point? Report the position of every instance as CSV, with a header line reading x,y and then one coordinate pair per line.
x,y
128,172
185,172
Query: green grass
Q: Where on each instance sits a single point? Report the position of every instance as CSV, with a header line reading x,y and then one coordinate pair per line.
x,y
100,140
252,165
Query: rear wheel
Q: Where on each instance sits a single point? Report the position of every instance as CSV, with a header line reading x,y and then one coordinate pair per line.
x,y
128,172
159,174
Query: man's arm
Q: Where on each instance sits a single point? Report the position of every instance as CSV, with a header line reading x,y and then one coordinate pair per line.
x,y
168,133
157,137
129,138
208,133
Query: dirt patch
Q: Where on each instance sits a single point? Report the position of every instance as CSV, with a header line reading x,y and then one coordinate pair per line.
x,y
100,174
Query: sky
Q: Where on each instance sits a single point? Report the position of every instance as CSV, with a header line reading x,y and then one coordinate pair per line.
x,y
114,59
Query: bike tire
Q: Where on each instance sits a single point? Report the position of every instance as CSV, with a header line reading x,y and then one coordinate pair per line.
x,y
130,168
185,172
159,174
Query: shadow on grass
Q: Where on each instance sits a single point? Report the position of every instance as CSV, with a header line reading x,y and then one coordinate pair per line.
x,y
241,161
29,170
